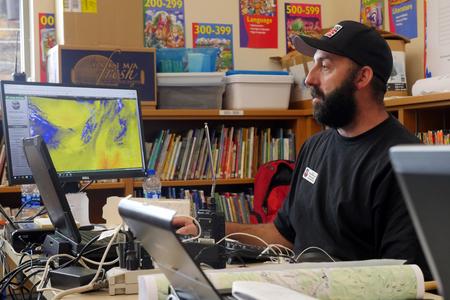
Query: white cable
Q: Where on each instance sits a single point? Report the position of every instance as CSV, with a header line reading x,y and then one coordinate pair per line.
x,y
244,234
80,289
90,285
199,234
108,263
313,247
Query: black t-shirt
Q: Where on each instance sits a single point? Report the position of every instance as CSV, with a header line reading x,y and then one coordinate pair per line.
x,y
345,199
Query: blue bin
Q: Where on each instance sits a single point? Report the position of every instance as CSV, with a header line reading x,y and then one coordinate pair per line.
x,y
173,60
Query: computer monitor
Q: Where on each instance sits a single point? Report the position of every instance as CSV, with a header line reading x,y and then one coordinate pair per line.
x,y
91,132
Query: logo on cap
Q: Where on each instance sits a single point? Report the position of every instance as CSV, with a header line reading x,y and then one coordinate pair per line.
x,y
332,32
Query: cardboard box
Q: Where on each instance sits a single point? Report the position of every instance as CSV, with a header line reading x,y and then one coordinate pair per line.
x,y
298,65
115,23
106,66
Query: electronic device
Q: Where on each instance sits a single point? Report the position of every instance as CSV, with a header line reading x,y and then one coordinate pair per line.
x,y
423,173
23,234
152,225
91,132
67,238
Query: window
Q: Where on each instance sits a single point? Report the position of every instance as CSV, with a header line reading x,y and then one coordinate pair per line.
x,y
9,38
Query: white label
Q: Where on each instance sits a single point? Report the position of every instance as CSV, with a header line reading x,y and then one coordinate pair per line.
x,y
106,234
310,175
231,112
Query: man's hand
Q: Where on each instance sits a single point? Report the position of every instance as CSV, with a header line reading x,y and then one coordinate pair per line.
x,y
185,225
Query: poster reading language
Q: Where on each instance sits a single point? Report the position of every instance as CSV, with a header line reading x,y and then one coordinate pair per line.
x,y
209,35
47,39
302,19
164,23
403,17
372,13
258,23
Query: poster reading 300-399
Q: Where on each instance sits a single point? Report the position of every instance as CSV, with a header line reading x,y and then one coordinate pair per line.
x,y
164,23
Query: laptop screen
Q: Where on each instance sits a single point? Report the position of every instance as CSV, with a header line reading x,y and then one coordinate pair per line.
x,y
423,173
47,181
152,225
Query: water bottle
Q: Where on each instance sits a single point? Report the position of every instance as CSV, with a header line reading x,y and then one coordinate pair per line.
x,y
152,185
30,199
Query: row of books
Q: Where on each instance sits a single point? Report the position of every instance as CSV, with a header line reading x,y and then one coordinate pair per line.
x,y
435,137
236,152
236,207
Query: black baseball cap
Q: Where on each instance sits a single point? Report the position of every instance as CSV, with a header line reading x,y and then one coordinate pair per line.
x,y
362,44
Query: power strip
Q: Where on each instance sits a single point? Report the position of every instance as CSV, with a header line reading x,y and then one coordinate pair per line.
x,y
125,282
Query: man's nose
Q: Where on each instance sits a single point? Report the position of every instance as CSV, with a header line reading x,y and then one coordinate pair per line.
x,y
311,79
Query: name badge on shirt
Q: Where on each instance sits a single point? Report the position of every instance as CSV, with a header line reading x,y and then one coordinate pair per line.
x,y
310,175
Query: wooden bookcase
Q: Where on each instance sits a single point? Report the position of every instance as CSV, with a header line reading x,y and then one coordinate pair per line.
x,y
419,113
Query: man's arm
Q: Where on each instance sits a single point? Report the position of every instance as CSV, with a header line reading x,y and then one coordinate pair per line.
x,y
268,232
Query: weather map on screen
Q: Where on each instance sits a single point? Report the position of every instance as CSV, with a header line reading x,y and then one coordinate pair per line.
x,y
90,132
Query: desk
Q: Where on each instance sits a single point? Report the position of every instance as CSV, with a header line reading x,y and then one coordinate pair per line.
x,y
12,258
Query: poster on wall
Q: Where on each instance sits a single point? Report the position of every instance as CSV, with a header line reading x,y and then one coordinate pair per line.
x,y
403,17
81,6
437,39
164,24
208,35
302,19
47,39
258,23
372,13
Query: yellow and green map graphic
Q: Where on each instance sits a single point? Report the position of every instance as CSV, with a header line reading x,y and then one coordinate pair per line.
x,y
88,134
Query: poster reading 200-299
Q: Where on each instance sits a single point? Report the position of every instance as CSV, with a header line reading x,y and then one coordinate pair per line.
x,y
164,23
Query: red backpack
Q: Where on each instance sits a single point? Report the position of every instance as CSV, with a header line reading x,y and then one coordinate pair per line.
x,y
272,183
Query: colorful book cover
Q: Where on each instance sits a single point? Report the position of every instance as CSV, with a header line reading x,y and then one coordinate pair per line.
x,y
164,24
301,19
258,23
403,17
212,35
372,13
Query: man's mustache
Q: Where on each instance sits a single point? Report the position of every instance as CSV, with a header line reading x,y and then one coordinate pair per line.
x,y
316,92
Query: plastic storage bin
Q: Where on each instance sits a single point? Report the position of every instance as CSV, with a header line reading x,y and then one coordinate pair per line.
x,y
186,59
257,90
191,90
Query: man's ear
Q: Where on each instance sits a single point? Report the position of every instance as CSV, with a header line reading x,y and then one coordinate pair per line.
x,y
364,77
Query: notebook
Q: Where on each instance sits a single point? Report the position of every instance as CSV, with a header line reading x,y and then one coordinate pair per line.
x,y
423,172
53,196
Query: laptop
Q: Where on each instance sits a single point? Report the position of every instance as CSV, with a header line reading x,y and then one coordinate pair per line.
x,y
153,227
423,172
55,200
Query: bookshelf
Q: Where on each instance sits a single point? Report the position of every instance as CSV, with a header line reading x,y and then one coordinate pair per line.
x,y
417,113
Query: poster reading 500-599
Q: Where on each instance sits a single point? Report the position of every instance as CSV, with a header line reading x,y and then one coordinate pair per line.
x,y
164,23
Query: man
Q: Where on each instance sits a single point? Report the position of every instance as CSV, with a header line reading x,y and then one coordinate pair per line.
x,y
344,197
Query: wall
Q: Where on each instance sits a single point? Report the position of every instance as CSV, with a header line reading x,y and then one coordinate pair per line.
x,y
227,11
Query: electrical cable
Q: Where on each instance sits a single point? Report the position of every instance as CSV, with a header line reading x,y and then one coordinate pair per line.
x,y
83,188
23,206
41,287
311,248
199,234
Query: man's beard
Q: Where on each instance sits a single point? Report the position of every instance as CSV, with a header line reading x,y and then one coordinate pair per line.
x,y
338,108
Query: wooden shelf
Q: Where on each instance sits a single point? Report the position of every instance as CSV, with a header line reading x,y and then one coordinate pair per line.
x,y
215,114
175,183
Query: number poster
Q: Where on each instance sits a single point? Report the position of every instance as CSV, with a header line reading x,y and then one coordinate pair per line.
x,y
47,39
164,23
208,35
258,23
302,19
